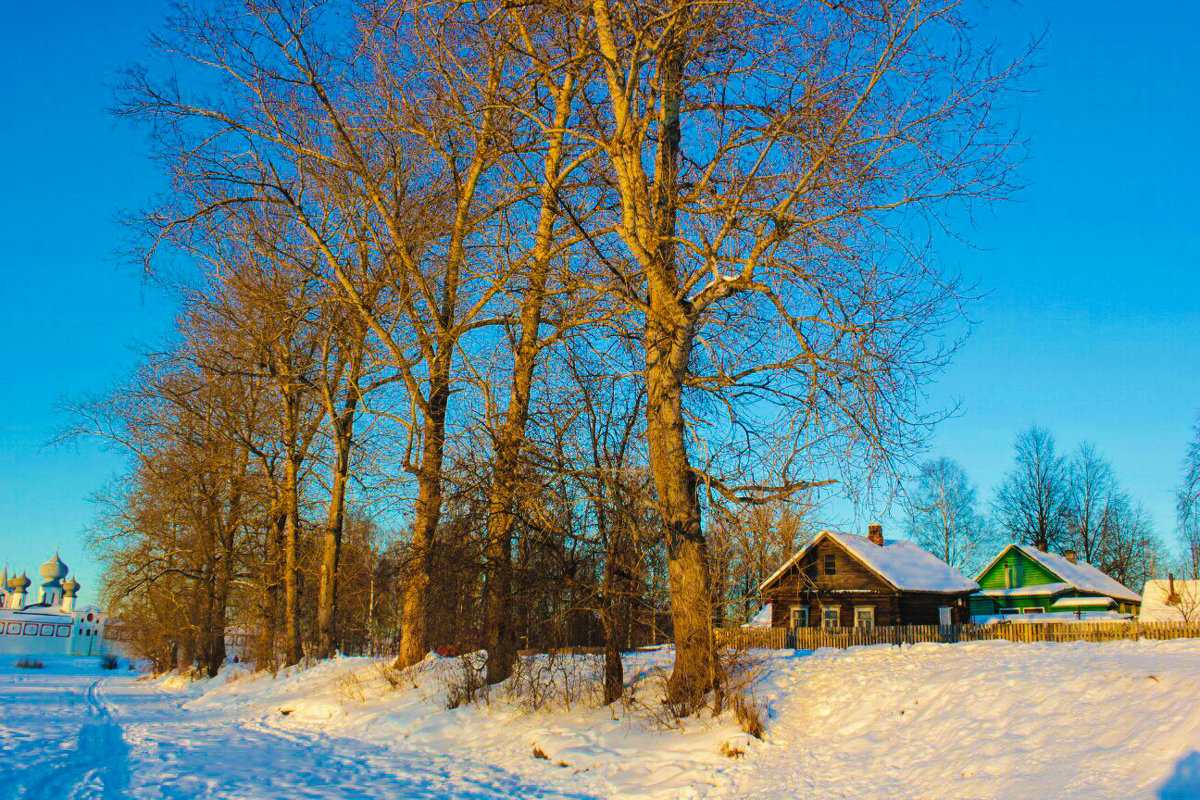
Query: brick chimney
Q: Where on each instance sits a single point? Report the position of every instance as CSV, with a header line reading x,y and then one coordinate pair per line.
x,y
1069,555
875,534
1172,598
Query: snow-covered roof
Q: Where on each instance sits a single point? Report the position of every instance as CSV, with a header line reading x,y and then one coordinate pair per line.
x,y
1028,591
1080,574
1083,602
901,563
1071,617
760,620
1155,607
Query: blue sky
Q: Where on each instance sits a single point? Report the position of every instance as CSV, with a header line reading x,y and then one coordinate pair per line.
x,y
1089,326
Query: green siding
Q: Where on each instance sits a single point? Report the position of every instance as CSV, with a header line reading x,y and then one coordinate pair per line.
x,y
1026,572
982,606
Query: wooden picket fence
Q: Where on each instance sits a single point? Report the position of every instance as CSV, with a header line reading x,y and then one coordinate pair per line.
x,y
812,638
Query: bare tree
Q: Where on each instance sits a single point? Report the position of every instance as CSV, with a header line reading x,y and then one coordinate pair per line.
x,y
1031,501
941,513
768,162
1091,489
171,538
379,150
1187,503
1131,548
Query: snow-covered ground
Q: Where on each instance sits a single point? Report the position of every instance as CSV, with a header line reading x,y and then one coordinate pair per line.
x,y
975,720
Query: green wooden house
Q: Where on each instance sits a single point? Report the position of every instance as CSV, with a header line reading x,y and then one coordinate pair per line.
x,y
1024,580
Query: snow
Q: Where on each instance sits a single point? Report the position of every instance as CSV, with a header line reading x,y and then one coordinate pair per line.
x,y
1155,607
979,721
762,619
901,563
1052,616
1083,602
1027,591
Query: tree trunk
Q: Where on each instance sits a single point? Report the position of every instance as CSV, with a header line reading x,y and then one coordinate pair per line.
x,y
500,635
327,599
291,569
696,669
668,340
414,638
270,609
617,603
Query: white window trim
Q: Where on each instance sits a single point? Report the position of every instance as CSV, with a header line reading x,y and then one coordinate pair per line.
x,y
792,616
836,610
864,608
1033,610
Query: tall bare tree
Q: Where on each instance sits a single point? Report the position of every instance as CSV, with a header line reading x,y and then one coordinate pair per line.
x,y
941,513
768,161
1092,494
1187,503
1031,501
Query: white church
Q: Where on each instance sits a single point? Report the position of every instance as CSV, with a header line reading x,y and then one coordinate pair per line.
x,y
51,625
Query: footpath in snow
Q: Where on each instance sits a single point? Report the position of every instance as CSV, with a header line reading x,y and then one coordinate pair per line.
x,y
977,720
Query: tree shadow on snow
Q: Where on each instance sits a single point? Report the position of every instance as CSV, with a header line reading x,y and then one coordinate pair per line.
x,y
1184,783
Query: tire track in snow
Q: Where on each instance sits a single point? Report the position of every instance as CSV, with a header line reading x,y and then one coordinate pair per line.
x,y
98,766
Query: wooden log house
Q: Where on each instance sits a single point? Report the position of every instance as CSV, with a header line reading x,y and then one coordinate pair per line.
x,y
844,580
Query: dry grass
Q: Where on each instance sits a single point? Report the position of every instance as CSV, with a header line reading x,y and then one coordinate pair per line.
x,y
350,688
29,663
385,670
556,680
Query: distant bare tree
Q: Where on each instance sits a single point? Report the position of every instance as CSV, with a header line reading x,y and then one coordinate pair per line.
x,y
1091,490
1186,600
941,514
1031,502
1131,548
749,542
1187,503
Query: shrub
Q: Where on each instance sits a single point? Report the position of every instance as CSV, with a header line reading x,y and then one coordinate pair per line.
x,y
749,714
29,663
109,661
556,680
742,669
465,685
350,688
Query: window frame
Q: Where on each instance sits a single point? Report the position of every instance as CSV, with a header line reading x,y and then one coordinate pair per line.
x,y
829,563
858,610
837,618
792,611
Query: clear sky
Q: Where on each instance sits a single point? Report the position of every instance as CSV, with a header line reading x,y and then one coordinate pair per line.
x,y
1090,326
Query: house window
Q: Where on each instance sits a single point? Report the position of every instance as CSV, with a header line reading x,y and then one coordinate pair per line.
x,y
864,617
1033,610
830,564
830,617
798,617
1007,611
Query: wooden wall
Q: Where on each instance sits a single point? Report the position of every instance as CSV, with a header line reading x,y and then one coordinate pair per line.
x,y
852,584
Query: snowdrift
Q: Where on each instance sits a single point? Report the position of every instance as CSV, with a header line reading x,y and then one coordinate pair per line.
x,y
975,720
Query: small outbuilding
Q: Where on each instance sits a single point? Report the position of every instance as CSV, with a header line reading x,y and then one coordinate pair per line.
x,y
843,580
1025,580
